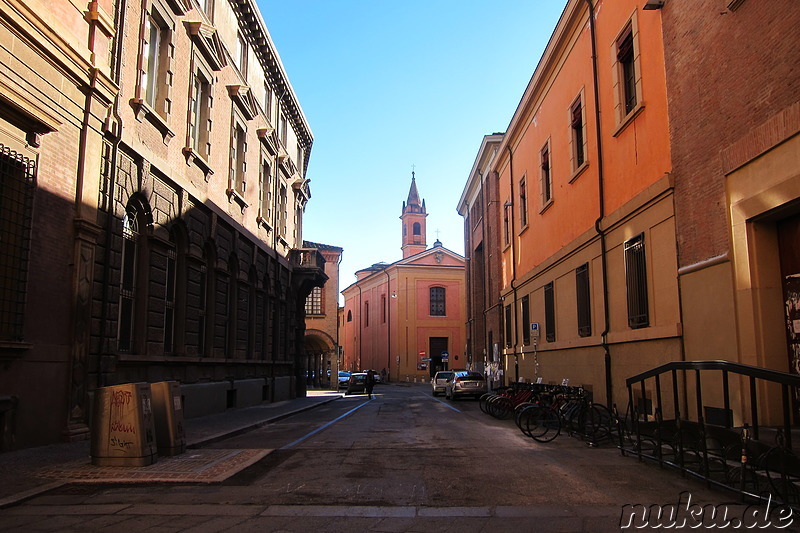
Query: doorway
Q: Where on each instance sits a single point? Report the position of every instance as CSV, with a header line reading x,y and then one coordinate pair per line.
x,y
437,347
789,249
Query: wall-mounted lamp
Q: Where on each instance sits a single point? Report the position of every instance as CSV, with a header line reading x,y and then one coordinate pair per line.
x,y
653,4
394,294
507,204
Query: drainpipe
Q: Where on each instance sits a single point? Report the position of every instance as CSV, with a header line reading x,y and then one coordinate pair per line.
x,y
598,225
119,20
513,258
360,328
388,325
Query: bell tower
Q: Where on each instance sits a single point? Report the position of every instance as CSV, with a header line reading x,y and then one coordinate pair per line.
x,y
413,219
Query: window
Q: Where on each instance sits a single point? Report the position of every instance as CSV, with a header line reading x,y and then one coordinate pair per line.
x,y
156,61
547,179
383,309
582,290
169,301
366,314
627,69
238,165
417,229
549,313
265,190
349,316
282,130
526,321
437,298
241,54
202,310
636,282
627,73
17,184
200,121
523,204
268,102
577,125
506,224
314,302
127,290
283,210
507,324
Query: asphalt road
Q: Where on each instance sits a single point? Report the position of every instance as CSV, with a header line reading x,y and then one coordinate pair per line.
x,y
401,462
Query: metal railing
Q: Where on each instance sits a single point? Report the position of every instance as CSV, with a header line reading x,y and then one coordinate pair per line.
x,y
729,446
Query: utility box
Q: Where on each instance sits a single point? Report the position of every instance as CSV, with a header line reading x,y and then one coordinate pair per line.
x,y
168,412
123,431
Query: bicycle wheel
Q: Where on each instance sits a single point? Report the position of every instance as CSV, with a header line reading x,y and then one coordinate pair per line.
x,y
573,417
598,424
542,424
521,415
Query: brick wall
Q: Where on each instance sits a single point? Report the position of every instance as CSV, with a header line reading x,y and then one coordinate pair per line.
x,y
728,72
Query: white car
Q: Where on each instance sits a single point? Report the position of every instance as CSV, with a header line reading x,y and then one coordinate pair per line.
x,y
439,381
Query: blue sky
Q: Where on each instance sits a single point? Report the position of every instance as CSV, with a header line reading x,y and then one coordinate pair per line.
x,y
386,85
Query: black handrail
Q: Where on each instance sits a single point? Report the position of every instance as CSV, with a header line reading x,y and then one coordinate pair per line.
x,y
778,463
747,370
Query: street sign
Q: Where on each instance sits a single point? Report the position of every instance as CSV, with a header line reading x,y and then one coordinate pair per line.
x,y
445,355
425,359
535,329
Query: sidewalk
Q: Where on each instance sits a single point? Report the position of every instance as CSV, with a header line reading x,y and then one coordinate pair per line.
x,y
32,471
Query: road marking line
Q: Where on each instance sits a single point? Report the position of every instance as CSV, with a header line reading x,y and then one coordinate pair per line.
x,y
443,403
304,437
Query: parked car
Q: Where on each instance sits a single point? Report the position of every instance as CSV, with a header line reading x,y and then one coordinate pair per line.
x,y
439,381
344,378
357,383
465,383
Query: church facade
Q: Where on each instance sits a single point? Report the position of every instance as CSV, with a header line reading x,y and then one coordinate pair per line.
x,y
406,320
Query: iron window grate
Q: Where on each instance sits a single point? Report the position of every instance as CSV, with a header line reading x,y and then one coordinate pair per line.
x,y
17,185
636,281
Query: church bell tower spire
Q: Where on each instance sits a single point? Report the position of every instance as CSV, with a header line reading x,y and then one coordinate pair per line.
x,y
413,220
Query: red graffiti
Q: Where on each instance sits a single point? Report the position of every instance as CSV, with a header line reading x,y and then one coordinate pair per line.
x,y
120,398
121,427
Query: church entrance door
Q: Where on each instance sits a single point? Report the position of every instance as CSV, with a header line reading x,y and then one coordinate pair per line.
x,y
438,345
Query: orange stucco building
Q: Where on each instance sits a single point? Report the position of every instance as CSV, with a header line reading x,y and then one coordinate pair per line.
x,y
587,230
407,318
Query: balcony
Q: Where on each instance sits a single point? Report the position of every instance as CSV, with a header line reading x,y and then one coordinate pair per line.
x,y
308,270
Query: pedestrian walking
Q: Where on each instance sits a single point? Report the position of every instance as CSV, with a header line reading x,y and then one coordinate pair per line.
x,y
370,383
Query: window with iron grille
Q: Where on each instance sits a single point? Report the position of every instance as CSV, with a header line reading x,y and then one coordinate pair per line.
x,y
366,314
507,326
169,302
314,302
437,296
17,184
523,204
549,313
127,289
636,282
584,300
526,321
383,309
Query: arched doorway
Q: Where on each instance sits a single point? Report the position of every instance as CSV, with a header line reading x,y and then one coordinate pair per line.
x,y
320,358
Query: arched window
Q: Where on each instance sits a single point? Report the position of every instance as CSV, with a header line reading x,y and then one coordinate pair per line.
x,y
437,297
417,228
349,316
134,254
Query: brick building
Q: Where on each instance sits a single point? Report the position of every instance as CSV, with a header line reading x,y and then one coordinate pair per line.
x,y
585,212
321,343
734,93
480,207
407,318
158,155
